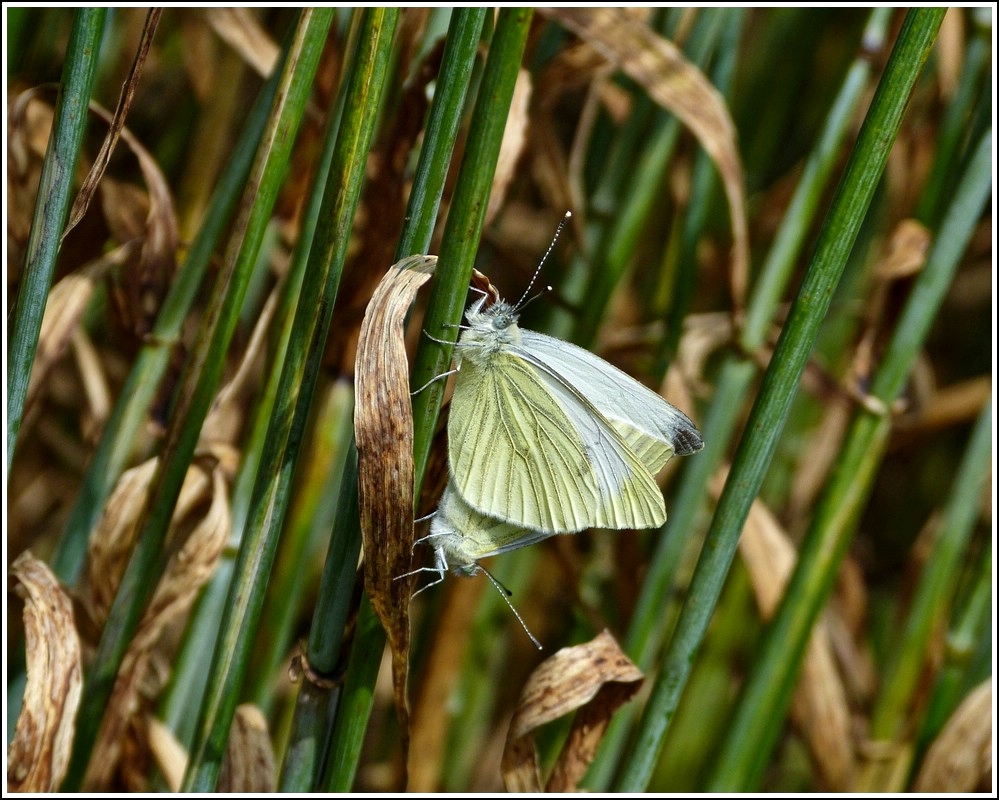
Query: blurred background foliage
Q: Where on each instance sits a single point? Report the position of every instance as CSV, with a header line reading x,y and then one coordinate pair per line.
x,y
269,150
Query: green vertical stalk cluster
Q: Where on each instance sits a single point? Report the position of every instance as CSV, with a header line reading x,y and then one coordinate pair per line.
x,y
779,385
132,406
363,89
449,287
199,383
760,712
304,762
935,589
189,676
972,627
733,384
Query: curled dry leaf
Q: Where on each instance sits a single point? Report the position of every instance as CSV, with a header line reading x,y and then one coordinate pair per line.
x,y
197,546
64,308
904,257
678,86
145,281
960,760
820,707
116,124
596,678
39,753
239,28
169,753
248,765
383,430
197,539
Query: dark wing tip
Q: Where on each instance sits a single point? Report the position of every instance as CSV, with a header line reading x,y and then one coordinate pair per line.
x,y
687,441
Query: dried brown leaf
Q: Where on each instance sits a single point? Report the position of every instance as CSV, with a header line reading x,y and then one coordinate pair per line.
x,y
38,756
558,176
197,545
820,707
99,398
514,137
197,538
115,734
383,430
240,29
596,678
812,472
169,753
66,305
960,759
904,256
224,422
958,404
951,47
143,284
29,124
111,543
117,124
678,86
906,253
248,765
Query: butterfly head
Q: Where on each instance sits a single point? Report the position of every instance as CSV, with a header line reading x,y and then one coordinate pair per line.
x,y
492,329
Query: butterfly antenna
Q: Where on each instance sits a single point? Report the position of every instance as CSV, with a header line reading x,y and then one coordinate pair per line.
x,y
506,598
544,258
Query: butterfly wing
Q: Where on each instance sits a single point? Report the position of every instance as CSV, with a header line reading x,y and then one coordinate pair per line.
x,y
527,448
654,428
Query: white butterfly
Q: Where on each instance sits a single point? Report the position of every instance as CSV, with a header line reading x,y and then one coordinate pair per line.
x,y
545,435
545,438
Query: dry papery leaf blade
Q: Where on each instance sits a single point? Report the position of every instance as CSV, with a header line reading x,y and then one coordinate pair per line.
x,y
116,124
197,539
514,138
595,677
240,29
383,430
248,765
678,86
146,280
38,756
64,309
960,759
820,707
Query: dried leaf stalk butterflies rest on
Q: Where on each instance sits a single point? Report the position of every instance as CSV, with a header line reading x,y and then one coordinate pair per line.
x,y
545,438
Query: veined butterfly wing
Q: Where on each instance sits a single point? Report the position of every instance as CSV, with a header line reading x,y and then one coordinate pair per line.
x,y
526,446
639,413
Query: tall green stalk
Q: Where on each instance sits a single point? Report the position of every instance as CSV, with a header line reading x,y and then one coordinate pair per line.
x,y
779,386
51,209
935,591
132,406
